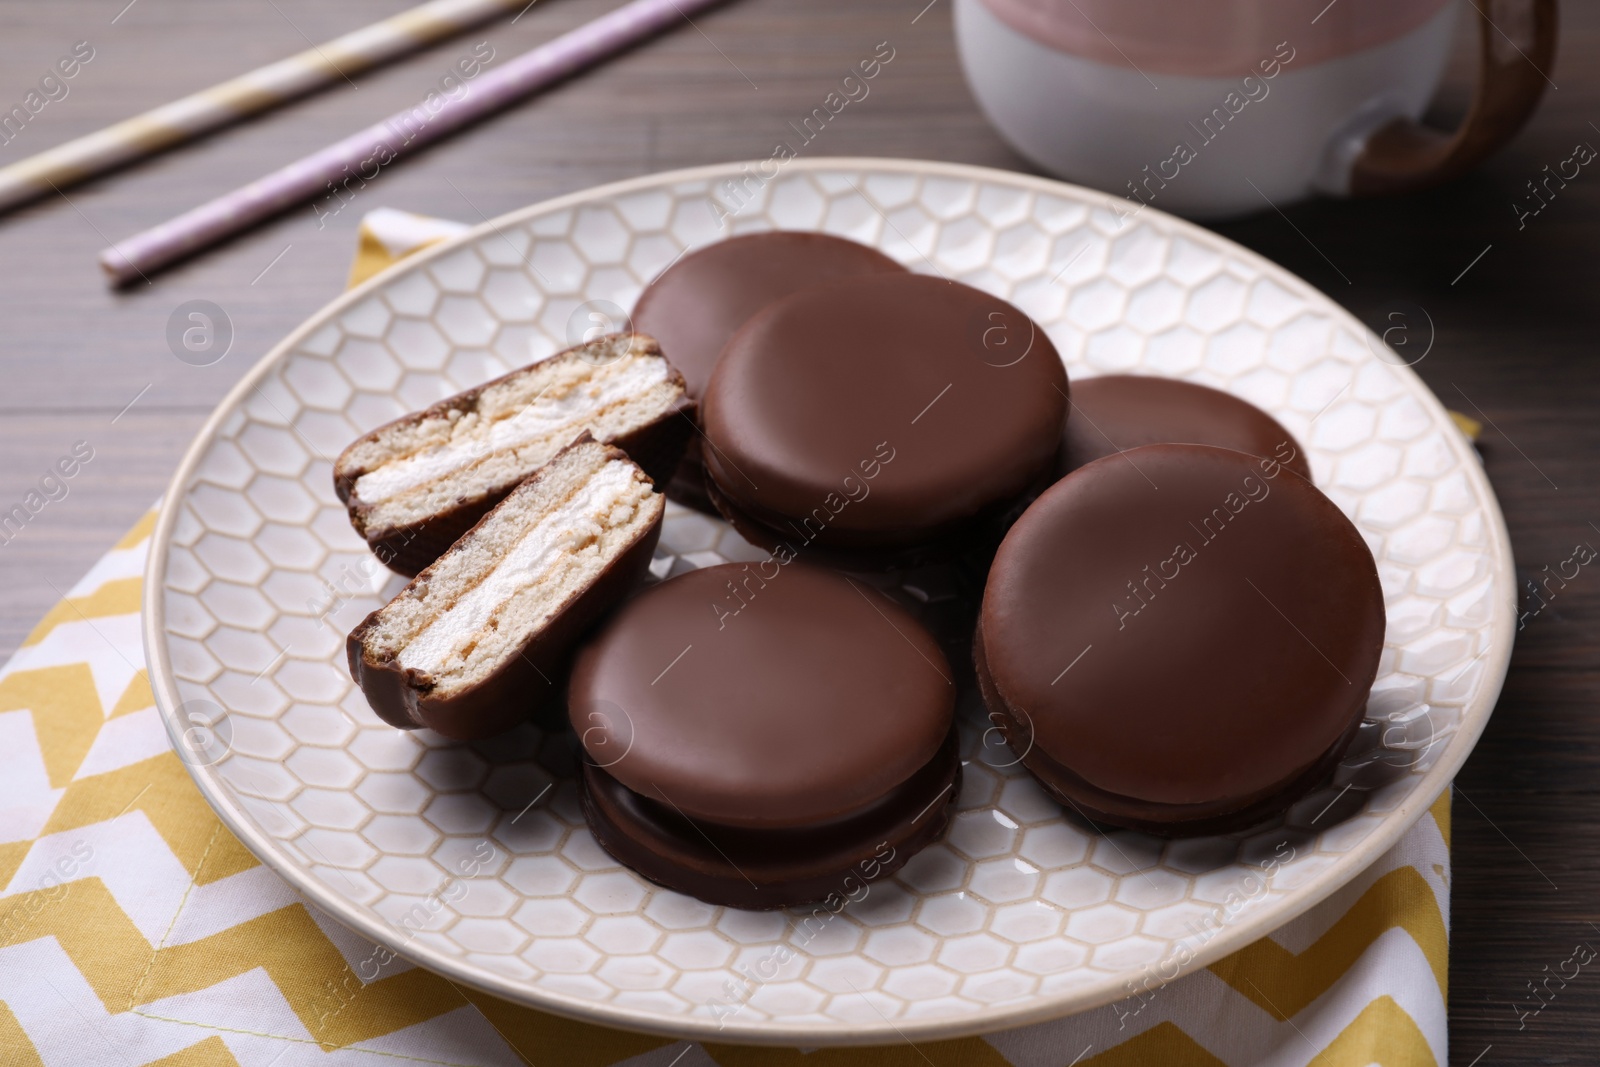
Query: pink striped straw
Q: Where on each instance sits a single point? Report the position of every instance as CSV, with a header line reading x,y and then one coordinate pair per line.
x,y
405,131
259,90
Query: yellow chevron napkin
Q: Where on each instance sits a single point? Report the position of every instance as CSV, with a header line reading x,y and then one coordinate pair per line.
x,y
134,929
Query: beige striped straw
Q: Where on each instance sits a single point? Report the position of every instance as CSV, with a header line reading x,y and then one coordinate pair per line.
x,y
260,90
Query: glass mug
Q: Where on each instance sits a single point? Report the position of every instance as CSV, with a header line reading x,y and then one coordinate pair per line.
x,y
1213,108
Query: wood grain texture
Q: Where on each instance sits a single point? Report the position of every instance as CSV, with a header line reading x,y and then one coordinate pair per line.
x,y
1514,342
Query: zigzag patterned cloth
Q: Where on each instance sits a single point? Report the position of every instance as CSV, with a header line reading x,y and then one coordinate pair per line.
x,y
134,928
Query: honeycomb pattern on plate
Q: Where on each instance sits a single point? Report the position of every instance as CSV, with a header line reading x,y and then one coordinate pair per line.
x,y
476,859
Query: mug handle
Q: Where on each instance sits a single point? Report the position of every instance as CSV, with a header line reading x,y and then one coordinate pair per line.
x,y
1516,47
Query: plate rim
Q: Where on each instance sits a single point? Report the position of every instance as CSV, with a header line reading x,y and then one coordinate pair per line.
x,y
1040,1008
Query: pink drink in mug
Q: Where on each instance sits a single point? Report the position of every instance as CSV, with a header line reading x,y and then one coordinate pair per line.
x,y
1221,107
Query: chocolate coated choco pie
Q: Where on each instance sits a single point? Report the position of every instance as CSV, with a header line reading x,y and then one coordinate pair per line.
x,y
762,741
1183,643
1120,411
696,304
882,421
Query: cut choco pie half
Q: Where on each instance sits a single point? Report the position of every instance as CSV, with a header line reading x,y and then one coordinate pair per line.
x,y
1180,639
476,643
882,421
699,302
414,485
764,742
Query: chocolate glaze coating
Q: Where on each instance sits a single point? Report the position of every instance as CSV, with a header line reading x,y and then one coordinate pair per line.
x,y
697,304
834,862
803,699
1166,820
1120,411
1219,686
890,417
955,545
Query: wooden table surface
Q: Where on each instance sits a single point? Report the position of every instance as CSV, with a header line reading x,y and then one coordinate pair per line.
x,y
1514,345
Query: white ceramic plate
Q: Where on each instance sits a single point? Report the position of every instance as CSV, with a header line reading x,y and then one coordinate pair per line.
x,y
473,860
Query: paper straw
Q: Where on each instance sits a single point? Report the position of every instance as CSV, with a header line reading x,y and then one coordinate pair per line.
x,y
324,173
261,90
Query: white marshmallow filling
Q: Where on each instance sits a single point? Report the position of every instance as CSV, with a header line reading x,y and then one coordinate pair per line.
x,y
414,470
